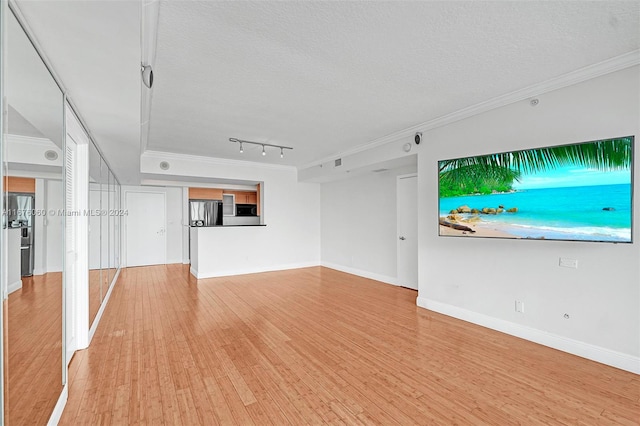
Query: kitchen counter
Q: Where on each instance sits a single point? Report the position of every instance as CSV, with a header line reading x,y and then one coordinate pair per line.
x,y
225,226
219,251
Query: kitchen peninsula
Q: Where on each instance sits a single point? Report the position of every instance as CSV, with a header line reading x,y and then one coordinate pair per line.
x,y
219,251
224,225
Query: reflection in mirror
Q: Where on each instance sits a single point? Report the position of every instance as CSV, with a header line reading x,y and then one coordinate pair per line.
x,y
104,229
33,233
118,223
95,298
112,228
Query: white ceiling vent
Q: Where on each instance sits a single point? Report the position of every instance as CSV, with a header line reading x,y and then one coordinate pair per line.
x,y
164,165
338,162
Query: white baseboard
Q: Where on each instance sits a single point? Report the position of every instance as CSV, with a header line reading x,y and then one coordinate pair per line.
x,y
361,273
39,272
231,272
14,286
96,320
194,272
59,408
585,350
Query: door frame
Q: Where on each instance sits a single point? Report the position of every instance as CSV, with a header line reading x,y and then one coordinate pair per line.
x,y
399,178
124,257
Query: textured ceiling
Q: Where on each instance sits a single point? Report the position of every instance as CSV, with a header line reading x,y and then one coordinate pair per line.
x,y
94,47
324,77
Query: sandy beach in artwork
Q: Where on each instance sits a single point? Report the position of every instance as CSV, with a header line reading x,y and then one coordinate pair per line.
x,y
482,229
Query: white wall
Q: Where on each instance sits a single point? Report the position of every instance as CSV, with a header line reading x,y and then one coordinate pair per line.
x,y
53,225
173,214
358,219
174,225
39,230
480,279
291,210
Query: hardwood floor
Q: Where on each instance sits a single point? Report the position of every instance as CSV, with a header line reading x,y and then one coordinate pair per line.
x,y
34,349
315,346
95,293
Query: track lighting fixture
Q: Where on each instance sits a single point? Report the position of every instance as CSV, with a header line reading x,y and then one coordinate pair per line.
x,y
264,145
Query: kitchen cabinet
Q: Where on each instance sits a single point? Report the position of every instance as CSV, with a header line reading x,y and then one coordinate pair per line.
x,y
244,197
19,184
252,198
205,194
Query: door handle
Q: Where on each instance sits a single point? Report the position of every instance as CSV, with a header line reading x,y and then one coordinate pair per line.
x,y
402,238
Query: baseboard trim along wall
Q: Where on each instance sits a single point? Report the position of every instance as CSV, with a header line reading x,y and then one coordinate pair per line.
x,y
359,272
575,347
194,272
15,286
56,415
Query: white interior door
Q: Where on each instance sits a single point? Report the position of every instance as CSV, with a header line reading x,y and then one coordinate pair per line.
x,y
70,241
145,228
408,231
76,292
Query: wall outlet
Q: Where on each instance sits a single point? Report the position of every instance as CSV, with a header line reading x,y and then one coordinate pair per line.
x,y
520,306
566,262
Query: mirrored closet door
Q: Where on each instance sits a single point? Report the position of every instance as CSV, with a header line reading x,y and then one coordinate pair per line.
x,y
104,230
33,232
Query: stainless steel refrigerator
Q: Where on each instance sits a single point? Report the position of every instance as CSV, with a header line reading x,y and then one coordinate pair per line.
x,y
20,215
205,212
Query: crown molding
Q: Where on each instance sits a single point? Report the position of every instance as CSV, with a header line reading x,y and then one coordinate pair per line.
x,y
608,66
43,142
215,161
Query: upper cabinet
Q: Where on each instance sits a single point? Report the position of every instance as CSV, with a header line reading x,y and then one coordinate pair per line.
x,y
244,197
205,194
20,184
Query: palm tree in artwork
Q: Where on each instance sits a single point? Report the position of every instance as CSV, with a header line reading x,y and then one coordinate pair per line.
x,y
611,154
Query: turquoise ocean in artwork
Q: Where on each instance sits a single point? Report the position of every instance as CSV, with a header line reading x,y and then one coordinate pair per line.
x,y
573,213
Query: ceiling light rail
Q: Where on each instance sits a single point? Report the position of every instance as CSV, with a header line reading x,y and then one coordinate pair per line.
x,y
262,144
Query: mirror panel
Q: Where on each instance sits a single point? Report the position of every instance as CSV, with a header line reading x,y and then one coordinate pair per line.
x,y
118,219
94,232
112,226
32,230
104,228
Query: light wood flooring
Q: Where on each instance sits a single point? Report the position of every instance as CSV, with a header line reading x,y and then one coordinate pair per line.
x,y
34,350
317,346
96,292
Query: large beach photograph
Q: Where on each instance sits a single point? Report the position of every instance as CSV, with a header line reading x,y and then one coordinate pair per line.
x,y
576,192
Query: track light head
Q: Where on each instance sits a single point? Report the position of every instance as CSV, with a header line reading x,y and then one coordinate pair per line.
x,y
241,149
147,75
281,152
263,151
